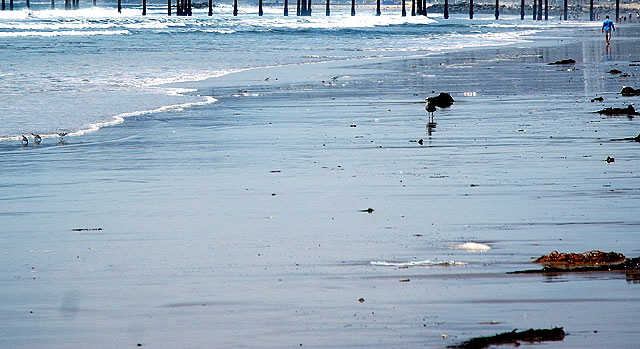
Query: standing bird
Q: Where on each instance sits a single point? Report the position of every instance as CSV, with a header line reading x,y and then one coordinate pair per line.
x,y
430,107
36,138
443,100
25,141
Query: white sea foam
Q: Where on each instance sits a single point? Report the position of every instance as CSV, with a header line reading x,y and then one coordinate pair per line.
x,y
472,247
117,119
64,33
424,263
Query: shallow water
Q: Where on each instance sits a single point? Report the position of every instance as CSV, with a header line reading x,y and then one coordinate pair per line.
x,y
76,71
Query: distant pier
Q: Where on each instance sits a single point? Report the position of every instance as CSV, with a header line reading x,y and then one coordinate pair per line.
x,y
304,8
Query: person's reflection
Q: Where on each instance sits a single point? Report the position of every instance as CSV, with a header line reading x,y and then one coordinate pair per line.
x,y
607,53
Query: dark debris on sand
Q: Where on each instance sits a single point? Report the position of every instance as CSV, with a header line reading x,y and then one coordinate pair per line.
x,y
564,61
443,100
629,265
514,337
635,139
629,111
630,91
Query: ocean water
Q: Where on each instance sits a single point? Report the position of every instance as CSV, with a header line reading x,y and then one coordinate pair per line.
x,y
78,71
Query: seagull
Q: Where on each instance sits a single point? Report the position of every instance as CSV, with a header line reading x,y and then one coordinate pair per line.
x,y
25,140
62,134
36,137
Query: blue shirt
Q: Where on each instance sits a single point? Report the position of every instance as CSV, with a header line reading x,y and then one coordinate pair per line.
x,y
607,24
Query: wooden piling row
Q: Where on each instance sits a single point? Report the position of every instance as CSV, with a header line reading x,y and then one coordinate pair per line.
x,y
418,7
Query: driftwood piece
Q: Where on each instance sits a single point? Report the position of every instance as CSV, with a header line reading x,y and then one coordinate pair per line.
x,y
514,337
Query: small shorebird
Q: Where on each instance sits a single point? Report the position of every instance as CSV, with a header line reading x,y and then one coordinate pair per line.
x,y
430,107
25,141
36,137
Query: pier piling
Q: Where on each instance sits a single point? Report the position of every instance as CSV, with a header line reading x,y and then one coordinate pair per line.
x,y
497,9
286,8
353,7
539,10
260,13
10,5
144,7
446,9
522,10
378,8
404,8
617,10
591,10
546,10
535,9
327,10
413,7
210,8
169,8
235,7
470,9
565,9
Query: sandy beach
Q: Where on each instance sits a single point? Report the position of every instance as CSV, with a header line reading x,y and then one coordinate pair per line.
x,y
246,224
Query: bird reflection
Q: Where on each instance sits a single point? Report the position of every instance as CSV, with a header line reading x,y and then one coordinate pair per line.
x,y
431,126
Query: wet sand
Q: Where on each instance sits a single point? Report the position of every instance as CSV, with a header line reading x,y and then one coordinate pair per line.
x,y
240,224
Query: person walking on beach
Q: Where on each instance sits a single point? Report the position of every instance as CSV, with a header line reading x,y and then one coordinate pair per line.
x,y
607,28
